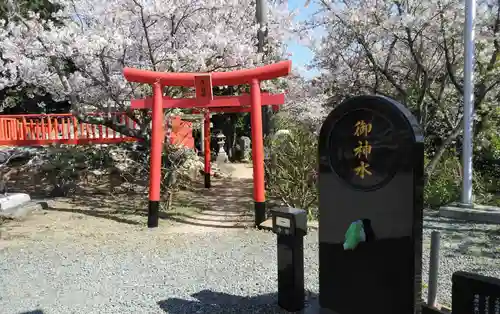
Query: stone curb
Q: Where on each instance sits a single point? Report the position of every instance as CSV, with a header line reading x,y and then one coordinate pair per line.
x,y
479,213
22,211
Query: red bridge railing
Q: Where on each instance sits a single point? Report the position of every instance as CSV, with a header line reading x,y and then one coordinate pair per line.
x,y
64,128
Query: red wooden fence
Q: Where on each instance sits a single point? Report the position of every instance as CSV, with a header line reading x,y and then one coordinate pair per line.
x,y
181,132
64,128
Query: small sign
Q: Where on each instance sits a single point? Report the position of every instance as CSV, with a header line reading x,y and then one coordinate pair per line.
x,y
475,294
283,222
203,86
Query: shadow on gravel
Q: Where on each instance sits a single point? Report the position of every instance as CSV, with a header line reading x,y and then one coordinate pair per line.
x,y
95,213
179,218
174,216
33,312
233,195
227,205
222,303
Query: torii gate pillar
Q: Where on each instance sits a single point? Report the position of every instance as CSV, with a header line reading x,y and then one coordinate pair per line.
x,y
257,153
157,139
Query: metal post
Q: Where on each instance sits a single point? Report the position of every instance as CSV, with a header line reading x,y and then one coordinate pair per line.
x,y
261,16
433,269
470,13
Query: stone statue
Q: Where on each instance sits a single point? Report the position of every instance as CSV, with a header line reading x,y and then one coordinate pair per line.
x,y
245,146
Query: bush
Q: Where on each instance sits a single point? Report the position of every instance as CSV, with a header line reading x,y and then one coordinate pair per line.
x,y
443,187
445,184
66,169
292,172
63,167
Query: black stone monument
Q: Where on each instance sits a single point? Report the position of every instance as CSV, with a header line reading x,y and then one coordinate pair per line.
x,y
475,294
371,159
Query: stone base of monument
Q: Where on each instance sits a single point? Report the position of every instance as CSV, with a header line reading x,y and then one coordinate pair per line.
x,y
435,310
267,225
17,205
478,213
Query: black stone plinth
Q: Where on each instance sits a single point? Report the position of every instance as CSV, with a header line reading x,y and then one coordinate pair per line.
x,y
371,158
291,295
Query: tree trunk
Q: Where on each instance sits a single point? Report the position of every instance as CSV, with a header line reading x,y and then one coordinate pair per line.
x,y
441,150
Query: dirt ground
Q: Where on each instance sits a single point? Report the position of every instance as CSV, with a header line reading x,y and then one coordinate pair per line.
x,y
225,206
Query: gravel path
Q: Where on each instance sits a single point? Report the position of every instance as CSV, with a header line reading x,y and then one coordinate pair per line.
x,y
218,271
464,246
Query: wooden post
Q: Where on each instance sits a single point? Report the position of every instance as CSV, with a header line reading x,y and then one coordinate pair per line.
x,y
257,153
206,152
155,157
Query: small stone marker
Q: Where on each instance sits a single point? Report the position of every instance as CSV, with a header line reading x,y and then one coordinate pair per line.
x,y
475,294
12,200
371,157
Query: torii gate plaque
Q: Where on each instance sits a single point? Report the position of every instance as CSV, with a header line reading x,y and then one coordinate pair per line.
x,y
203,82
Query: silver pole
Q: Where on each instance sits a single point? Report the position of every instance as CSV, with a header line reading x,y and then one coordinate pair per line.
x,y
470,14
261,16
433,269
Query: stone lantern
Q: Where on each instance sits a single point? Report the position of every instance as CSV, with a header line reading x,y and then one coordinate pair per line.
x,y
221,155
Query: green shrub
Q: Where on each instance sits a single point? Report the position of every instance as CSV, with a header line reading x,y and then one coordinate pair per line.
x,y
443,187
445,184
292,171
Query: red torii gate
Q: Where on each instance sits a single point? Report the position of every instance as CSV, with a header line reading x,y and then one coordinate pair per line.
x,y
206,102
219,104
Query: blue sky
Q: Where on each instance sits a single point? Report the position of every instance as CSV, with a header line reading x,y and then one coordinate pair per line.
x,y
301,55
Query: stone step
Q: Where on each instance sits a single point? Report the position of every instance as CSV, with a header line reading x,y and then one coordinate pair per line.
x,y
478,213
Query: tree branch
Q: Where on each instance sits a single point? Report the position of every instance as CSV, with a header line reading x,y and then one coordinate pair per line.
x,y
146,34
449,65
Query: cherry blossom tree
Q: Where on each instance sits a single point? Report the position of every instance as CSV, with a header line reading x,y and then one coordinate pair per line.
x,y
82,60
412,51
306,101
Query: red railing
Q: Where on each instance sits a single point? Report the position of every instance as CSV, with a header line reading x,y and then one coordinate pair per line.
x,y
36,129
